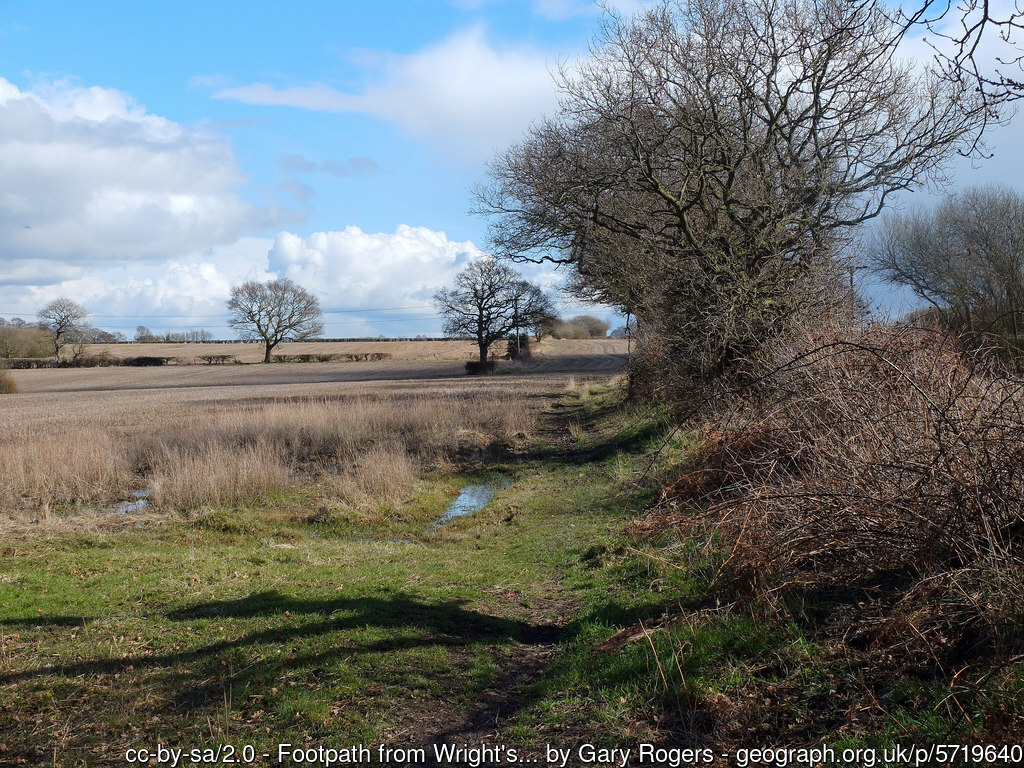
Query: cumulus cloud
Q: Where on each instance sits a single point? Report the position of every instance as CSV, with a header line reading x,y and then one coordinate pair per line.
x,y
88,176
184,292
462,94
359,272
355,269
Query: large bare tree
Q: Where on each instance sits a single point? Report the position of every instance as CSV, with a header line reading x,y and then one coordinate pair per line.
x,y
63,319
275,311
710,157
489,301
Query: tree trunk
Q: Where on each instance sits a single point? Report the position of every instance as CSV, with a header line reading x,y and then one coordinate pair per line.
x,y
483,356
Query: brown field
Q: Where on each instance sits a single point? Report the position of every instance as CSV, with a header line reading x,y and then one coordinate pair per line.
x,y
396,350
74,441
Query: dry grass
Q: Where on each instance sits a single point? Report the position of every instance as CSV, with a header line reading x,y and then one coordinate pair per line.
x,y
215,474
881,462
383,475
197,446
7,384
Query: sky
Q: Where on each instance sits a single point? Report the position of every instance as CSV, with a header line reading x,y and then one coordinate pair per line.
x,y
154,154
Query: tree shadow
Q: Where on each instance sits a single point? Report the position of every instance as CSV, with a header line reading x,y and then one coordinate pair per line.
x,y
630,440
447,623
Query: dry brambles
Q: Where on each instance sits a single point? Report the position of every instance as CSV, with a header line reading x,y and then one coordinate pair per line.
x,y
882,461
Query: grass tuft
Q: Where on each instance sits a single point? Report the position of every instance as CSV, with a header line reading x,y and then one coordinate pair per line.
x,y
7,383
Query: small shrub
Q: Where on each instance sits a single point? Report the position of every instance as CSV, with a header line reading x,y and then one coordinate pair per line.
x,y
146,360
218,359
331,357
475,367
29,363
102,360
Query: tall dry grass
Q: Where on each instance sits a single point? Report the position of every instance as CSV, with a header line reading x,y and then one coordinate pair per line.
x,y
7,383
226,453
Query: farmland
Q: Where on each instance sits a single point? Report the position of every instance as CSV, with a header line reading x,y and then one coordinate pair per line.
x,y
414,351
283,581
287,580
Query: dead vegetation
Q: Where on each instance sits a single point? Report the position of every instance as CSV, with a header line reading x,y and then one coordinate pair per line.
x,y
874,482
7,385
371,443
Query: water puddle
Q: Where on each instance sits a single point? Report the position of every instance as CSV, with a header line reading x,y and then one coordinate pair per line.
x,y
141,501
472,498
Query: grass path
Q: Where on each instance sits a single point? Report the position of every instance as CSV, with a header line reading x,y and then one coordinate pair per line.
x,y
281,623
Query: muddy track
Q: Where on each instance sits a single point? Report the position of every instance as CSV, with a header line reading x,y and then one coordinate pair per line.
x,y
484,722
435,724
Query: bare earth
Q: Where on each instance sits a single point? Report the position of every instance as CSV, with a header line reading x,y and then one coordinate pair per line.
x,y
125,394
455,351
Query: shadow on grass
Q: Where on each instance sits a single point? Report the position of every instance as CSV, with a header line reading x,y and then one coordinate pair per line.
x,y
308,641
445,623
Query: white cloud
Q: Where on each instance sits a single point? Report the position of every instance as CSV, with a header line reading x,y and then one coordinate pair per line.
x,y
184,292
89,177
462,94
360,272
357,269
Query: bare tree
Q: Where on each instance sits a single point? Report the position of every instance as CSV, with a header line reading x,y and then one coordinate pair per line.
x,y
965,258
64,320
975,41
710,159
275,311
490,300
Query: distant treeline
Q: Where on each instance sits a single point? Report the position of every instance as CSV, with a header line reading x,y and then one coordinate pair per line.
x,y
307,341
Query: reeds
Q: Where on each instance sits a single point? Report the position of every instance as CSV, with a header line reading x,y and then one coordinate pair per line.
x,y
224,453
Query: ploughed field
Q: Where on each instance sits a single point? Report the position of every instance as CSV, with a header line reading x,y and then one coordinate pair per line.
x,y
452,351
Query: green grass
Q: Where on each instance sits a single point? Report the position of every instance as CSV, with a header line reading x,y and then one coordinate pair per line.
x,y
298,621
278,622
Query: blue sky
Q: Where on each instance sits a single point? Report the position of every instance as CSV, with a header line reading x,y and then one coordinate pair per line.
x,y
154,154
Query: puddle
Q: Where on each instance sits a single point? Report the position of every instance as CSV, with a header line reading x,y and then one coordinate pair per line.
x,y
472,498
141,502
